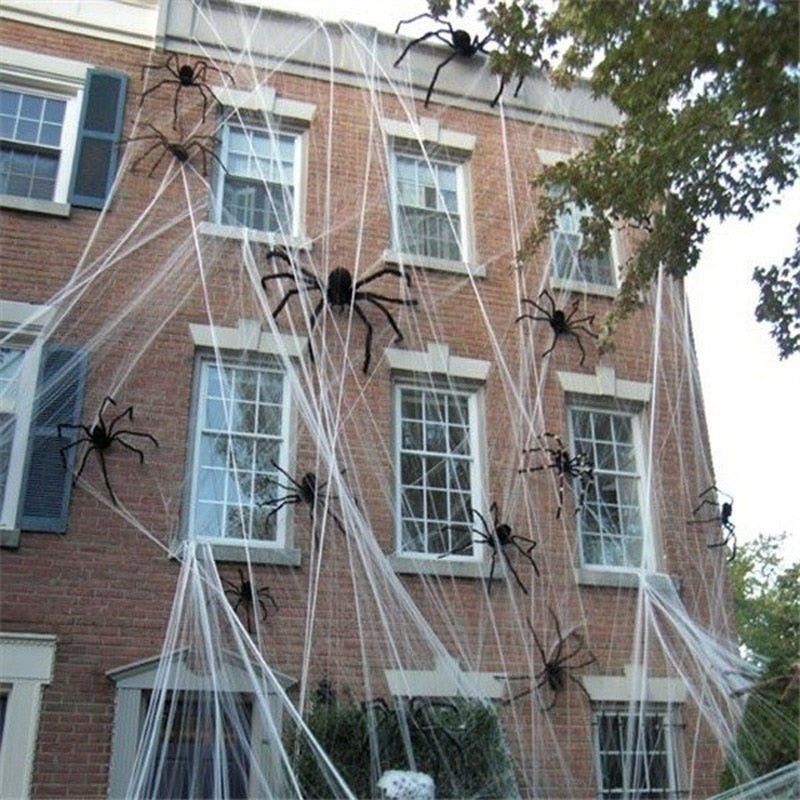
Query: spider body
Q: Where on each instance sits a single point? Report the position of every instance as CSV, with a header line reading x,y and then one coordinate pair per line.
x,y
723,515
340,292
499,536
562,323
458,40
100,437
184,76
181,149
243,595
308,491
568,654
577,468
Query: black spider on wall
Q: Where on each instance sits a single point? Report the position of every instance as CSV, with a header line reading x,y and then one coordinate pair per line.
x,y
340,292
243,595
182,149
562,323
499,536
100,437
722,515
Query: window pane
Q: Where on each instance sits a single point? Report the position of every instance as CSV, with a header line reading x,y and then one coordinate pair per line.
x,y
567,260
434,467
238,441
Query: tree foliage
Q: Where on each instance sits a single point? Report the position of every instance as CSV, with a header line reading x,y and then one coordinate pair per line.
x,y
707,92
767,608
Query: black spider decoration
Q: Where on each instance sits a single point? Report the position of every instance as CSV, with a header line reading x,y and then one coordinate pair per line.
x,y
340,292
181,149
723,514
458,40
307,490
244,596
100,437
184,76
559,665
499,536
578,467
561,322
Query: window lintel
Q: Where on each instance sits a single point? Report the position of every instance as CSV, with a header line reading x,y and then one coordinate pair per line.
x,y
634,685
604,383
265,99
427,130
437,360
247,336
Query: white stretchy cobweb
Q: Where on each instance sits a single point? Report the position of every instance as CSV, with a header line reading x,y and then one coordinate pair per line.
x,y
239,704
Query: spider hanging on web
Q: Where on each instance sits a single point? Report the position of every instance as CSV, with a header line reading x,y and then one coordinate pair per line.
x,y
499,536
578,467
562,323
243,595
308,490
340,292
181,149
100,437
723,514
568,654
184,76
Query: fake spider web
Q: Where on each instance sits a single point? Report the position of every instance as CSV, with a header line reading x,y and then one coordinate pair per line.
x,y
345,619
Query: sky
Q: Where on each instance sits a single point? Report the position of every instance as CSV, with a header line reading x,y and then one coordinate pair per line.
x,y
751,396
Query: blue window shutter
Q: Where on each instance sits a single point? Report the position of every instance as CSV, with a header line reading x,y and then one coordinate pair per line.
x,y
102,119
59,399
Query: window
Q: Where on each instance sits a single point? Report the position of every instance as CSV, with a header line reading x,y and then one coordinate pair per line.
x,y
60,121
568,263
241,434
230,715
636,751
431,224
437,470
610,524
26,667
260,188
429,207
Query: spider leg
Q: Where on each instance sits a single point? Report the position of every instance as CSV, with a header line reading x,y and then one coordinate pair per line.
x,y
141,434
580,345
130,447
368,324
491,572
157,162
151,89
436,75
552,346
577,681
295,484
278,504
291,293
413,42
499,91
511,567
537,642
66,447
526,551
128,412
105,477
378,299
705,503
83,460
135,163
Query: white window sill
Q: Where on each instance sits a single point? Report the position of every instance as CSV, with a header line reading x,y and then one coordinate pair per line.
x,y
36,206
620,578
262,237
584,287
409,564
238,552
440,264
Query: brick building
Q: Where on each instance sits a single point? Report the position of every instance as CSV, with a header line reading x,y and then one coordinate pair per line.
x,y
140,215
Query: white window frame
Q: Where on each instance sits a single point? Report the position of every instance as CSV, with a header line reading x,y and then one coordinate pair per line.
x,y
26,667
135,682
21,325
604,391
245,346
62,79
635,418
264,112
437,370
427,142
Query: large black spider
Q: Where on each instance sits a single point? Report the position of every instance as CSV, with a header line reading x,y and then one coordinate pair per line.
x,y
100,437
184,75
458,40
244,596
307,490
558,666
723,514
180,148
578,467
340,292
561,322
499,536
